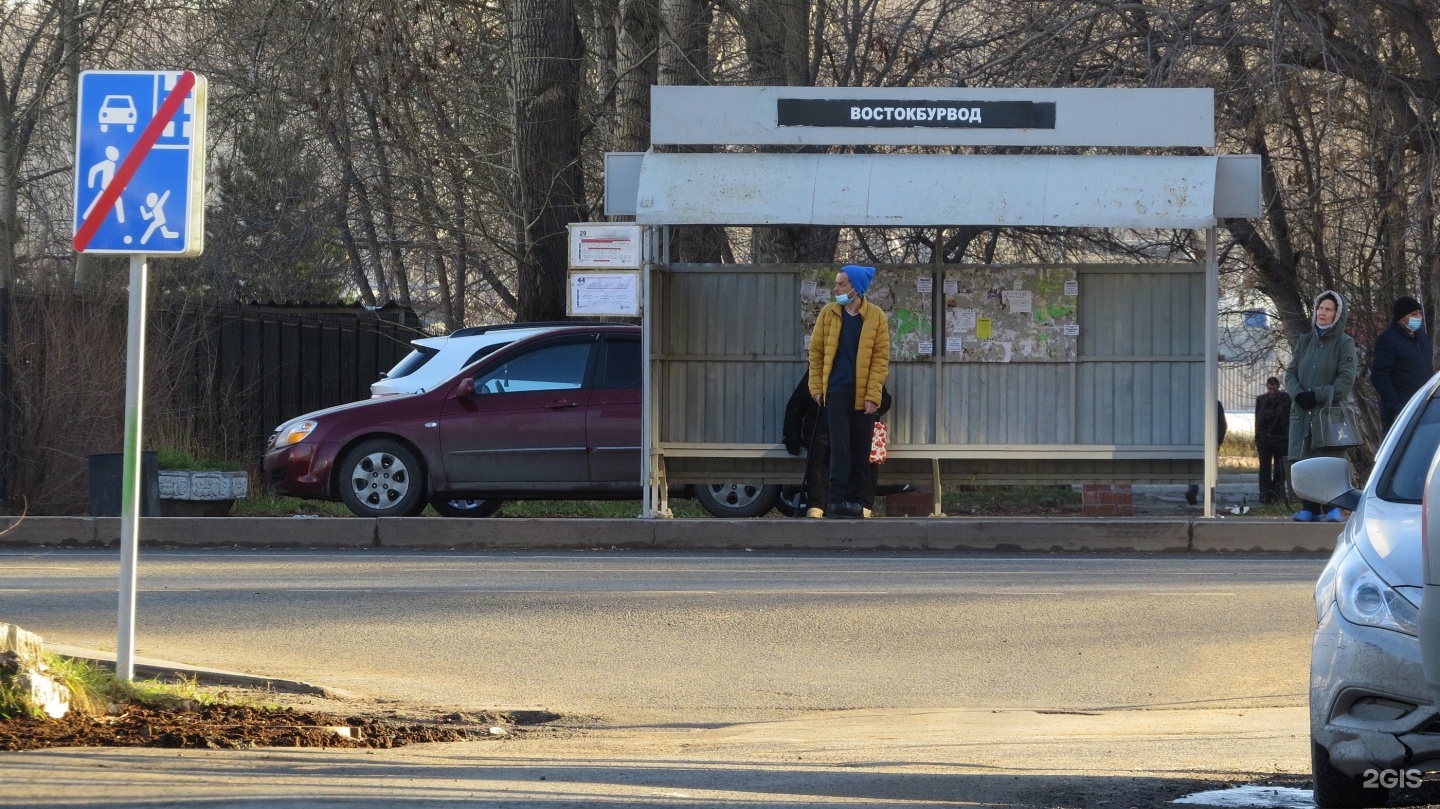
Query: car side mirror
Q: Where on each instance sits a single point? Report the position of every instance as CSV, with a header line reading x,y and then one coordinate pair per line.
x,y
1325,480
466,388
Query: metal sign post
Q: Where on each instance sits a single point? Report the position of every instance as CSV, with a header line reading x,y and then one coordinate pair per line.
x,y
130,485
139,191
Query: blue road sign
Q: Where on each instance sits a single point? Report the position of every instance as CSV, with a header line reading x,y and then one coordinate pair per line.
x,y
140,163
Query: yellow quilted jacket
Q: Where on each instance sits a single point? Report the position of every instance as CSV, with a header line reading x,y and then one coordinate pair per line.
x,y
872,360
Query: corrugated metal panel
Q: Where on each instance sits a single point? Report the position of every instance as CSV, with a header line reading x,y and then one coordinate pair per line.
x,y
912,414
1007,403
730,354
1122,396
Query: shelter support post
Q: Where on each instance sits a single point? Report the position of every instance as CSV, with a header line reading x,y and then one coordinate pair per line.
x,y
937,511
1212,369
655,244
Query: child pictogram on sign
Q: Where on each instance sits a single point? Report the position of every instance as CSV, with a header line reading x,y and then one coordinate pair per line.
x,y
156,212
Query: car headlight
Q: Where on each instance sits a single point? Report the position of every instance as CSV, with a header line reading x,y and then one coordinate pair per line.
x,y
1364,598
294,432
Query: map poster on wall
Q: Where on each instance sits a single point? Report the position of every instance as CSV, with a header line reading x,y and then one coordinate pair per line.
x,y
905,292
1012,314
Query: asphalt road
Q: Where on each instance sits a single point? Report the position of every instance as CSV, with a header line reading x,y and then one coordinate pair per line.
x,y
714,679
706,637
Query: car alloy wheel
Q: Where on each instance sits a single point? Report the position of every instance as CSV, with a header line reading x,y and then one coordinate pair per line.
x,y
467,508
734,500
383,478
380,480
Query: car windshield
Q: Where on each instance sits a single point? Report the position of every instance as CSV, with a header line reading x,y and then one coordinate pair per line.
x,y
1404,480
412,362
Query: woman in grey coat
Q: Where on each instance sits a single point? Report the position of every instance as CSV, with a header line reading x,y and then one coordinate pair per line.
x,y
1323,365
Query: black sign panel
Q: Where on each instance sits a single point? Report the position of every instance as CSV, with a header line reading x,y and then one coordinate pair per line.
x,y
927,114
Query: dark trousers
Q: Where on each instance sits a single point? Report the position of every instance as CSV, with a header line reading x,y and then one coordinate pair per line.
x,y
850,432
1272,472
817,472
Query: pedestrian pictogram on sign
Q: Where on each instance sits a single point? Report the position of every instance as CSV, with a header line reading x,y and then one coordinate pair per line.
x,y
140,163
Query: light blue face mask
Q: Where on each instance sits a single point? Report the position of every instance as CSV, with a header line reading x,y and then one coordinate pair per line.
x,y
843,299
1414,323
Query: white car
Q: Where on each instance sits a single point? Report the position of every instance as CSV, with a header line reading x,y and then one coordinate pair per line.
x,y
1374,705
437,359
117,111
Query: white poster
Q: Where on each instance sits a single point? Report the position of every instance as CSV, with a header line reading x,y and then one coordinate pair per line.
x,y
604,245
604,294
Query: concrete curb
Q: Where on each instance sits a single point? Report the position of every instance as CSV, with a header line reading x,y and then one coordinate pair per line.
x,y
1262,535
165,669
998,534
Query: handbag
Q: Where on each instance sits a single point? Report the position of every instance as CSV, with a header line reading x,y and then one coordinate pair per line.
x,y
1334,427
879,438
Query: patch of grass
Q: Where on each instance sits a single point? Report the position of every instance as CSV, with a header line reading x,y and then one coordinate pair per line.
x,y
592,508
178,460
265,503
93,688
965,500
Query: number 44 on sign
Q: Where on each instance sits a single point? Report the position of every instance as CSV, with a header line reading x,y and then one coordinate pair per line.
x,y
140,163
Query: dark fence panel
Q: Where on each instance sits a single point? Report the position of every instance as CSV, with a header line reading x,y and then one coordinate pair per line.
x,y
219,379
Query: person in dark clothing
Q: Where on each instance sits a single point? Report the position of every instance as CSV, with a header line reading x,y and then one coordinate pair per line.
x,y
1272,439
805,426
1192,494
1402,363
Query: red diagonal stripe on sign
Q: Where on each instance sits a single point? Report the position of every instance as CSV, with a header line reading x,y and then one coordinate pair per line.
x,y
132,161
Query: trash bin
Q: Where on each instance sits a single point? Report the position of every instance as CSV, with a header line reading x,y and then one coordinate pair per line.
x,y
107,481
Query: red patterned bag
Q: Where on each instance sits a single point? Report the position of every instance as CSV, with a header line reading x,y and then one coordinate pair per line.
x,y
878,441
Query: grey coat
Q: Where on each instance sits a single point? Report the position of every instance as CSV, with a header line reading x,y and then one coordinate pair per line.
x,y
1323,365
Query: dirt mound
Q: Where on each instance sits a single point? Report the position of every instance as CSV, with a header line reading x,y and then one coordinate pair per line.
x,y
238,727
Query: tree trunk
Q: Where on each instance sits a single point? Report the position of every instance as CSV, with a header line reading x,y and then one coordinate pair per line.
x,y
636,69
545,43
684,61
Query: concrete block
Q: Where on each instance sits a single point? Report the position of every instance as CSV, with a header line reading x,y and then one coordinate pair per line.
x,y
250,532
62,531
1264,535
1065,535
791,534
502,532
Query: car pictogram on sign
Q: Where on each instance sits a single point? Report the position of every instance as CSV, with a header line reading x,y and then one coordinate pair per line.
x,y
117,110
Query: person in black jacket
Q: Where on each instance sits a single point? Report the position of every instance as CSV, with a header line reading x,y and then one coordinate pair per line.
x,y
805,426
1272,439
1402,362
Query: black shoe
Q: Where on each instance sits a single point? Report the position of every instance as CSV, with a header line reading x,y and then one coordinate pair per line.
x,y
844,509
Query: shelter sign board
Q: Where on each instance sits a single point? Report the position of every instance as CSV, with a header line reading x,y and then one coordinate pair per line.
x,y
140,163
604,245
958,114
604,294
1012,314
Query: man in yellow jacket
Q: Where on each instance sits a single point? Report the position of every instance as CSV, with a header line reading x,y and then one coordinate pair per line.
x,y
849,360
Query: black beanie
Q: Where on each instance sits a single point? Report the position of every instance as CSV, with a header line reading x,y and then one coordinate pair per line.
x,y
1404,305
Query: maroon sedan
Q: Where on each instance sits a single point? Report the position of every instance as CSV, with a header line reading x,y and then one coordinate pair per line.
x,y
552,416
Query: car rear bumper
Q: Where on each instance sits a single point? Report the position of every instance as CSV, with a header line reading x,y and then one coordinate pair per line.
x,y
1360,677
300,470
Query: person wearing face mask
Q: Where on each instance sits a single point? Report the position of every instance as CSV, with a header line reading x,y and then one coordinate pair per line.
x,y
1402,362
1323,367
849,360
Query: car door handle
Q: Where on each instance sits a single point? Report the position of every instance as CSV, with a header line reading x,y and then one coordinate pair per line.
x,y
561,404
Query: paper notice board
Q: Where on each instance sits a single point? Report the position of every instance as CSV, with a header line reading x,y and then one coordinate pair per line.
x,y
602,245
603,294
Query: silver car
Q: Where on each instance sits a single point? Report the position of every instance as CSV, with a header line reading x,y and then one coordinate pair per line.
x,y
1374,720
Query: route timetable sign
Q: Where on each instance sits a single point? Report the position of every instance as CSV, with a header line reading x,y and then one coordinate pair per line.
x,y
140,163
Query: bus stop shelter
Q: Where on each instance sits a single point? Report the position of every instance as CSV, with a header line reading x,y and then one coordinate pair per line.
x,y
1130,394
